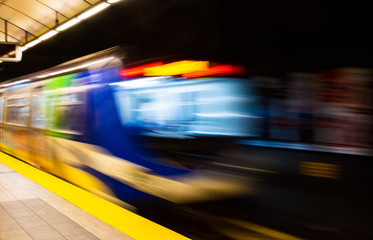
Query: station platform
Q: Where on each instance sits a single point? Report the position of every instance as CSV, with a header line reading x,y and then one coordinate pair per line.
x,y
36,205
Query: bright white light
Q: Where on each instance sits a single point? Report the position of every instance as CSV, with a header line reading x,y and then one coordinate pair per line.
x,y
30,44
219,133
68,24
22,81
95,62
48,35
224,115
7,85
93,11
14,83
141,82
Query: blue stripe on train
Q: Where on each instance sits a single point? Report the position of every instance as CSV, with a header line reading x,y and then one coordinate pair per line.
x,y
107,131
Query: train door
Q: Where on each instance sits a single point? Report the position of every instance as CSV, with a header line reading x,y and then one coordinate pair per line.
x,y
16,122
64,124
38,148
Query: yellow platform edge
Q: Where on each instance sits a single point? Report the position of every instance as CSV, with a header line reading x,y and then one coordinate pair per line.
x,y
129,223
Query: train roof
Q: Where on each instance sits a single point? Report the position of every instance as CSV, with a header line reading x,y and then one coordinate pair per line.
x,y
110,57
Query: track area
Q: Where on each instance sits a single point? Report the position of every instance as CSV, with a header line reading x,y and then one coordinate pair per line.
x,y
281,209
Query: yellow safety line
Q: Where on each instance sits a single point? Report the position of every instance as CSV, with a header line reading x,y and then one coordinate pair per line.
x,y
125,221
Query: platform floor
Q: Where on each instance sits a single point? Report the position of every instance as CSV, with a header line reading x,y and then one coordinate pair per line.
x,y
31,211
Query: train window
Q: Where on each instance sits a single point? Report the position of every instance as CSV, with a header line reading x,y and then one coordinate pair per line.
x,y
1,109
17,115
38,113
18,111
69,98
189,108
68,113
18,101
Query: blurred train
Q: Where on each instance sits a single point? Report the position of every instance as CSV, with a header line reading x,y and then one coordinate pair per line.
x,y
87,121
182,131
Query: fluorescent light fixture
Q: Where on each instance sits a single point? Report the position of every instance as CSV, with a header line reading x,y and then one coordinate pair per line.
x,y
93,11
68,24
48,35
30,44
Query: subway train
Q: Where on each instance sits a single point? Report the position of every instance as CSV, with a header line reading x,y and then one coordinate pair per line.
x,y
92,120
182,130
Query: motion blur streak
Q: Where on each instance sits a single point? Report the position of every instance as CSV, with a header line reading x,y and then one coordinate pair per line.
x,y
217,70
137,71
176,68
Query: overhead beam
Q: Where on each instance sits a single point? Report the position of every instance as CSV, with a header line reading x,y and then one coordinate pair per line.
x,y
6,30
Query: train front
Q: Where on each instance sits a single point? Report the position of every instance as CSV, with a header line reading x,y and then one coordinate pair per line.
x,y
187,115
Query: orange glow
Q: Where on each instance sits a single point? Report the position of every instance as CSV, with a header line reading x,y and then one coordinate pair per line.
x,y
177,68
130,72
217,70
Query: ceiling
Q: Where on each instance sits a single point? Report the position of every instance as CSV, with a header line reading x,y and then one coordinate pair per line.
x,y
24,20
268,37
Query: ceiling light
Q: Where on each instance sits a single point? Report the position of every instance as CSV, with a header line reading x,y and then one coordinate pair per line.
x,y
93,11
68,24
30,44
48,35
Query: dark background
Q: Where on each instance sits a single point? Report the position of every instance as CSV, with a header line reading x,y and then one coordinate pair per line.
x,y
268,37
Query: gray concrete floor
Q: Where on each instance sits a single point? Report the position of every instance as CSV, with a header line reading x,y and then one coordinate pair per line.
x,y
29,211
